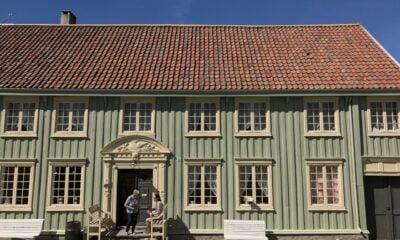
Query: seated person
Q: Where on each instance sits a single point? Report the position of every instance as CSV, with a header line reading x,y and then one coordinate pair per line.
x,y
154,212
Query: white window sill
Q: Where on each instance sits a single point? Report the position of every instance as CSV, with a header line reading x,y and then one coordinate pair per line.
x,y
253,134
255,208
65,208
322,134
203,134
384,134
327,208
19,134
141,133
69,135
15,209
203,208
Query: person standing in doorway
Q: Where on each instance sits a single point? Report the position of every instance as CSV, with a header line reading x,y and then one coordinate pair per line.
x,y
132,209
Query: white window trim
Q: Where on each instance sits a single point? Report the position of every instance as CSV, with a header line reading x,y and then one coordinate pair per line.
x,y
72,134
20,163
322,133
384,132
326,207
53,162
264,133
121,116
217,131
21,99
254,162
202,162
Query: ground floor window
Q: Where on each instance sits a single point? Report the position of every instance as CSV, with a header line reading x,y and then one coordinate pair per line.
x,y
254,188
202,186
66,187
15,186
325,185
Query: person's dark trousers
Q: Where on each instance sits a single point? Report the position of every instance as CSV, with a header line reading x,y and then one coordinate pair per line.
x,y
132,220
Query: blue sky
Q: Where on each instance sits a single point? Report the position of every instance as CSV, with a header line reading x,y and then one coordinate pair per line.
x,y
380,17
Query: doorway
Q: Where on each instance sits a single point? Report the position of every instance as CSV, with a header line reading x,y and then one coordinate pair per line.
x,y
128,180
382,196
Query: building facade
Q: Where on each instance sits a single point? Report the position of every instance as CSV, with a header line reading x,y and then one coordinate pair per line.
x,y
284,124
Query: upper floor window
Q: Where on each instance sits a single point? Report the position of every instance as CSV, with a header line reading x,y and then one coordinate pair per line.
x,y
383,116
137,116
325,183
16,186
19,116
252,117
321,117
202,117
70,117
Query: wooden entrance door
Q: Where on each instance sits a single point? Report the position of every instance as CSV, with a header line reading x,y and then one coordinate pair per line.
x,y
128,180
383,207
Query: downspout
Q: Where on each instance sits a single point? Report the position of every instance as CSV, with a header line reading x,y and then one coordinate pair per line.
x,y
353,168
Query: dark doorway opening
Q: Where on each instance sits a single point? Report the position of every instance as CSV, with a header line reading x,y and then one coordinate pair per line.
x,y
128,180
382,195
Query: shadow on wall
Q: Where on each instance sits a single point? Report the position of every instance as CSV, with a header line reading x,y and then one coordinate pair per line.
x,y
177,230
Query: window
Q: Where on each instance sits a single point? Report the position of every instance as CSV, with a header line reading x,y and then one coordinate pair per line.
x,y
20,117
202,186
66,190
325,185
321,117
70,117
202,117
383,116
254,185
15,187
137,116
252,117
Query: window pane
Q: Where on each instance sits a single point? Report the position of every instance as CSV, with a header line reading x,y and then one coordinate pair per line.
x,y
210,184
62,117
58,189
245,183
332,184
244,116
313,116
328,112
195,117
317,185
376,116
260,110
392,116
74,185
261,184
23,182
28,116
12,116
6,185
210,112
145,110
194,185
78,116
129,117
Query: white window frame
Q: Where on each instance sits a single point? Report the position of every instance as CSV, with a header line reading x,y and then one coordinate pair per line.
x,y
202,133
19,163
138,101
73,134
321,132
385,131
254,162
252,100
53,162
324,163
202,162
21,100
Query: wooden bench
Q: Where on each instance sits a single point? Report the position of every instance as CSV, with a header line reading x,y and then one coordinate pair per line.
x,y
20,228
98,222
159,223
240,229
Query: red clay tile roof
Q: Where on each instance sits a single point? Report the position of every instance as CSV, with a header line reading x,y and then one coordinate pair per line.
x,y
157,57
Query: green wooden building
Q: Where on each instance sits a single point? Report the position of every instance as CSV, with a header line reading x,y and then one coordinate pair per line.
x,y
293,125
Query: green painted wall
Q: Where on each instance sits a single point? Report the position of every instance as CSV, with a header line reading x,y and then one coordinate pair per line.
x,y
287,147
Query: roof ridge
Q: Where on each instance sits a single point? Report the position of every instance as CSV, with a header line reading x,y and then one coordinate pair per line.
x,y
188,25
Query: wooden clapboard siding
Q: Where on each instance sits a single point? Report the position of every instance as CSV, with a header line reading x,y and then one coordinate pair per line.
x,y
287,147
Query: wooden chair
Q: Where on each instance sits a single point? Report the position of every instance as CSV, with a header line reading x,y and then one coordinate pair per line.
x,y
98,220
159,222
